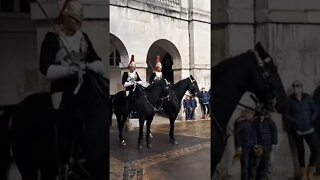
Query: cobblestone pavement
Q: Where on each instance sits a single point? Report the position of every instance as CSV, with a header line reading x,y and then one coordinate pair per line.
x,y
184,161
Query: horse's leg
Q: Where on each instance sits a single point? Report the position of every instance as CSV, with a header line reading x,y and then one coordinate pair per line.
x,y
120,127
172,119
141,123
219,143
149,121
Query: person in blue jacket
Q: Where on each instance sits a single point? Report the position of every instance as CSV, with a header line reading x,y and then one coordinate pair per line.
x,y
194,105
245,141
204,100
302,113
266,137
186,107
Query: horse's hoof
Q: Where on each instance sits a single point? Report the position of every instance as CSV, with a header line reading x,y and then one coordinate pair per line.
x,y
149,146
140,147
123,143
173,142
150,136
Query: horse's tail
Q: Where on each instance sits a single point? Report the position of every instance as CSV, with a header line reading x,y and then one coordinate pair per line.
x,y
5,156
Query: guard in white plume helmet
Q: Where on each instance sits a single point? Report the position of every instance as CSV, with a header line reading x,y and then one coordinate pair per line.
x,y
65,53
157,73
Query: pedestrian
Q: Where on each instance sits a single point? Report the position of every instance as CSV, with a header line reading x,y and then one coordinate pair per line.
x,y
302,113
245,142
186,107
266,137
205,103
193,104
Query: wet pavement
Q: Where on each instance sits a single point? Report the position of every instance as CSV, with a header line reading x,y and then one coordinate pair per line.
x,y
190,159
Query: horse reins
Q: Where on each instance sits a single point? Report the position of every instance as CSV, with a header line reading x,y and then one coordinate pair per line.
x,y
265,77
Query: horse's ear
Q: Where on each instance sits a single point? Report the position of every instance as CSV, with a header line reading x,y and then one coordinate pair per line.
x,y
191,77
261,51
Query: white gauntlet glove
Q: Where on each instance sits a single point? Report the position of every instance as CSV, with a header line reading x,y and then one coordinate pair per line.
x,y
55,72
127,84
139,82
97,67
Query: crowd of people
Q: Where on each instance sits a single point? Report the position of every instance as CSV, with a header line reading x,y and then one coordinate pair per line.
x,y
190,105
256,133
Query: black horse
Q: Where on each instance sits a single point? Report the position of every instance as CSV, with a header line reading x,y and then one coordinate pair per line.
x,y
145,101
172,104
253,71
30,130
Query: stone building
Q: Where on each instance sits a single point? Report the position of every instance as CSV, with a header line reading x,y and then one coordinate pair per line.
x,y
289,30
176,30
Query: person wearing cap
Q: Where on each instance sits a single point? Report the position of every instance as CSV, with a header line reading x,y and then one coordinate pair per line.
x,y
245,141
302,113
129,79
157,73
204,100
64,70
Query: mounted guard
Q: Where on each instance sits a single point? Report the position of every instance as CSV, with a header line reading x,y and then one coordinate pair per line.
x,y
157,73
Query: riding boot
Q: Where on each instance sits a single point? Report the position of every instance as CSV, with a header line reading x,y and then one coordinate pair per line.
x,y
311,171
304,175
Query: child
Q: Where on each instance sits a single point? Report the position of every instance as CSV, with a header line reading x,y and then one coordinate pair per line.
x,y
194,105
245,141
187,106
266,137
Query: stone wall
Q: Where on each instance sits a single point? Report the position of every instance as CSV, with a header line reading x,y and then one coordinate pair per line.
x,y
18,75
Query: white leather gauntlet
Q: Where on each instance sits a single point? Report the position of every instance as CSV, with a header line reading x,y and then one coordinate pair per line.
x,y
55,72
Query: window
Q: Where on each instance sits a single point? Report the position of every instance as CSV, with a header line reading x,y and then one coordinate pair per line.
x,y
14,6
114,58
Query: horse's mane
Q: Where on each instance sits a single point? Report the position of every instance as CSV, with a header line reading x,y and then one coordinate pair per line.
x,y
155,84
178,84
231,62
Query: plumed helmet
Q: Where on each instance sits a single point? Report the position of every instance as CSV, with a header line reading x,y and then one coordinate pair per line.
x,y
158,63
132,63
74,9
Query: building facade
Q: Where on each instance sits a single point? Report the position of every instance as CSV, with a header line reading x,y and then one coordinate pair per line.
x,y
176,30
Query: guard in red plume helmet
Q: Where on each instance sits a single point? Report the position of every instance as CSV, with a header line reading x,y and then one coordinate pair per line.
x,y
157,73
129,79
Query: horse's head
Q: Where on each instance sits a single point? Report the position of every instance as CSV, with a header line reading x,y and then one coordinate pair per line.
x,y
266,82
193,86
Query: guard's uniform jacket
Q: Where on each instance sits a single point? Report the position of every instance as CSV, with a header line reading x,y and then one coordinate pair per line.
x,y
54,63
155,76
128,80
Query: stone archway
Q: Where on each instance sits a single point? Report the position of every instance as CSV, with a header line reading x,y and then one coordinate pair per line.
x,y
118,54
170,59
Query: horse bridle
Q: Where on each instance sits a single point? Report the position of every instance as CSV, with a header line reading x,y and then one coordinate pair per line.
x,y
266,80
145,96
